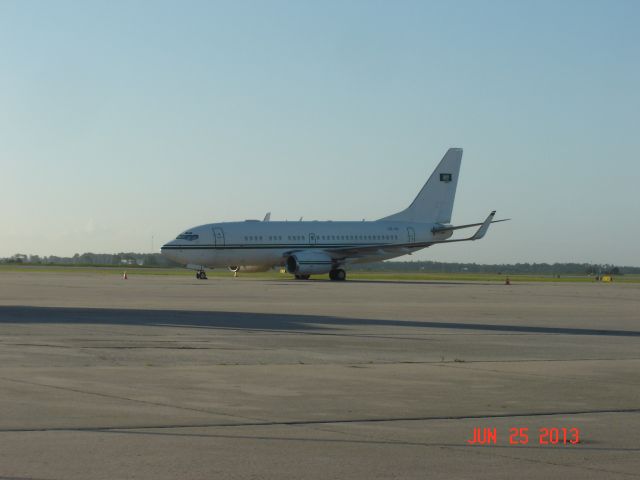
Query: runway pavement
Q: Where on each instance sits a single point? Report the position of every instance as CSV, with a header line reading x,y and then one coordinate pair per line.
x,y
168,377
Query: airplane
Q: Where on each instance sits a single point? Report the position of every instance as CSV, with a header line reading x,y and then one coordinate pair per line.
x,y
306,248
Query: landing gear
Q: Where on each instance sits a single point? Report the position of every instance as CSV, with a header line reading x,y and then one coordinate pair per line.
x,y
302,277
201,275
338,274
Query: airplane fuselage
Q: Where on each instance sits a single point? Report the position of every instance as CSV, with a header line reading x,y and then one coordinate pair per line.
x,y
269,243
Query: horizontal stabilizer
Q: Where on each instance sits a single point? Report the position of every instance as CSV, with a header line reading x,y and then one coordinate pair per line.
x,y
451,228
484,226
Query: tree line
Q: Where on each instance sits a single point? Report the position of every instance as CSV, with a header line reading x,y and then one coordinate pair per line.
x,y
158,260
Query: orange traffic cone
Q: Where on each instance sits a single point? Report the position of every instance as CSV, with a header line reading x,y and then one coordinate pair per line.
x,y
507,281
124,277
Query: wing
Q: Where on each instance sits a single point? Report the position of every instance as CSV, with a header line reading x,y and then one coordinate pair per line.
x,y
395,249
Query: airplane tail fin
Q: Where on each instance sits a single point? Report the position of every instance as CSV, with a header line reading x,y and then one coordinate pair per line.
x,y
434,203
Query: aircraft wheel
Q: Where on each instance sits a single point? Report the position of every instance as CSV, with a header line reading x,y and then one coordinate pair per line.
x,y
302,277
337,274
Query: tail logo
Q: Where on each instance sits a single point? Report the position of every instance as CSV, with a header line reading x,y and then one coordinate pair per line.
x,y
446,177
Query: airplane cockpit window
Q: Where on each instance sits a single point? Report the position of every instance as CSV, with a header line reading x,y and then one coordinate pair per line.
x,y
187,236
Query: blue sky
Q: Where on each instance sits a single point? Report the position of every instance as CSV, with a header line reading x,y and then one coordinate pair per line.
x,y
122,120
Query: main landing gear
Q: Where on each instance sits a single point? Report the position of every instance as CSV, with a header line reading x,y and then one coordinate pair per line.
x,y
201,275
338,274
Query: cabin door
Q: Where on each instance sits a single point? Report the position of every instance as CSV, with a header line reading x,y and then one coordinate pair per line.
x,y
218,237
313,239
411,235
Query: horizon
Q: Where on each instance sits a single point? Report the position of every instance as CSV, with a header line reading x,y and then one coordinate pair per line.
x,y
394,260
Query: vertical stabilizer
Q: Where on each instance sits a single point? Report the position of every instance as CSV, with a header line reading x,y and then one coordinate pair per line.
x,y
434,203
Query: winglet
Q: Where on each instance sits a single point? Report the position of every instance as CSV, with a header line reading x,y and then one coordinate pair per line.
x,y
484,227
267,217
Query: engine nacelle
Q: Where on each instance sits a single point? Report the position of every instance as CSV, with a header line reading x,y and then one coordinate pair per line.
x,y
249,268
308,263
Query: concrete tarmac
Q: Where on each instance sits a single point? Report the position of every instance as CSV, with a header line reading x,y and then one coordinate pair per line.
x,y
168,377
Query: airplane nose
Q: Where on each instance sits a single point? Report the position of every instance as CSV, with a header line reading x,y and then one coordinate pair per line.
x,y
166,250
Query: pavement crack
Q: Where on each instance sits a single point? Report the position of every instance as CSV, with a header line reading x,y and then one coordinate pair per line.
x,y
311,422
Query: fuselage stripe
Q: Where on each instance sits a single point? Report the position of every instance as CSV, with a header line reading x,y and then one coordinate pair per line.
x,y
279,246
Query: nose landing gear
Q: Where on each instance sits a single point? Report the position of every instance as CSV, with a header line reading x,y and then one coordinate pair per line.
x,y
201,275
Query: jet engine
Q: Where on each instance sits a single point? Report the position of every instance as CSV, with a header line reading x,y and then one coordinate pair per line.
x,y
248,268
308,263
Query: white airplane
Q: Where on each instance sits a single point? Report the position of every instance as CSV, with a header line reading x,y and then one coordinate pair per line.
x,y
319,247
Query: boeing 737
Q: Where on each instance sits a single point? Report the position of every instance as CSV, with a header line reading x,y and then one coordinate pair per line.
x,y
308,248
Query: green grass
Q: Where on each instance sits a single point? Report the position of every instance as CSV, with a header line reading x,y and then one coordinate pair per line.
x,y
94,270
379,276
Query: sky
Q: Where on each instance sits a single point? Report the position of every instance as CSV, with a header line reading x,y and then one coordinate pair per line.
x,y
124,123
